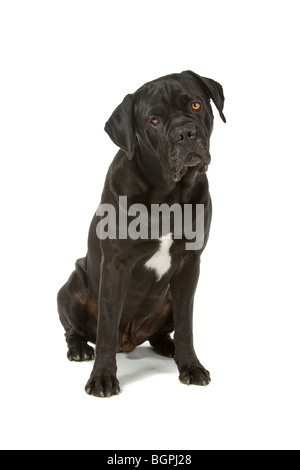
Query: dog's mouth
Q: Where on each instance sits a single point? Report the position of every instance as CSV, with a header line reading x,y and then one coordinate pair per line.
x,y
192,161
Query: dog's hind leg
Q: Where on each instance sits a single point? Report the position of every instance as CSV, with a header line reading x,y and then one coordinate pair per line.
x,y
78,315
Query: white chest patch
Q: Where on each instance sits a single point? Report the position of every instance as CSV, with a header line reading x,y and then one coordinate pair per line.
x,y
161,260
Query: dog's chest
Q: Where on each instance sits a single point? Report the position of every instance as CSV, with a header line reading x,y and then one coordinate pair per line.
x,y
161,261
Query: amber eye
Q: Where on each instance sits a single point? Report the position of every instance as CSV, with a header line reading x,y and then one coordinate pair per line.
x,y
196,106
154,122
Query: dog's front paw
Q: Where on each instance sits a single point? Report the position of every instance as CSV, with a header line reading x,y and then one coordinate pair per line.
x,y
195,375
103,386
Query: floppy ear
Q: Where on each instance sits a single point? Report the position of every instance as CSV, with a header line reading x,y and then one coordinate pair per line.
x,y
214,90
120,126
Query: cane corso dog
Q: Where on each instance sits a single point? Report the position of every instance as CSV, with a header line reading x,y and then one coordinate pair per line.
x,y
129,289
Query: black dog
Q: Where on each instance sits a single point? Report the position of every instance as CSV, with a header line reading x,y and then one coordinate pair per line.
x,y
128,290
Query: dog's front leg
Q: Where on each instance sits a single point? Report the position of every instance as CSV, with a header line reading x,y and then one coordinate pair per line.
x,y
115,277
183,288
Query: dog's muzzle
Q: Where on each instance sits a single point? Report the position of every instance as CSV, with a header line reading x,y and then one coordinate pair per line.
x,y
189,150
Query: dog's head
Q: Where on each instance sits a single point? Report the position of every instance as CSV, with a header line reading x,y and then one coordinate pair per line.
x,y
172,118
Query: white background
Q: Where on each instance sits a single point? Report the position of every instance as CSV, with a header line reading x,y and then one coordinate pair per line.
x,y
65,66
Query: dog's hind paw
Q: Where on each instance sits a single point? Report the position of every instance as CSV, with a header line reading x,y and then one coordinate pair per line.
x,y
164,346
81,351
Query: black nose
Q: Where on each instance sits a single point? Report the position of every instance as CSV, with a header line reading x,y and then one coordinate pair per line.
x,y
184,134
